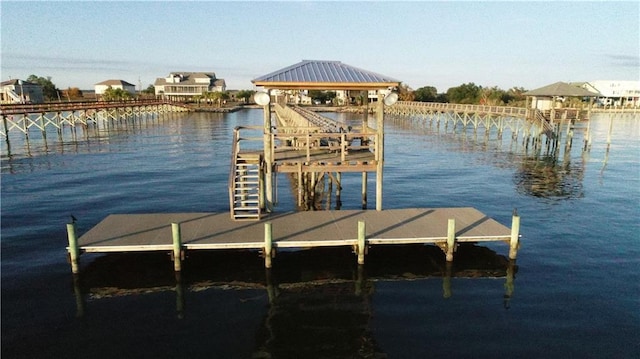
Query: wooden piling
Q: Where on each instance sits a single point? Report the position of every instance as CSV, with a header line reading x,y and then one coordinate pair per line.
x,y
380,151
268,244
177,247
74,250
515,235
364,190
361,241
451,239
610,128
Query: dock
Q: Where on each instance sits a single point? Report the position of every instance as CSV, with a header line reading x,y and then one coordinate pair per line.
x,y
310,148
177,233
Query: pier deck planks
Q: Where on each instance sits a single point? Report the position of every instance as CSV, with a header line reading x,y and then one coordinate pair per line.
x,y
149,232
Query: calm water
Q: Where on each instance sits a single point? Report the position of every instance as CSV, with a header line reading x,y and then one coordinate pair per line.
x,y
575,293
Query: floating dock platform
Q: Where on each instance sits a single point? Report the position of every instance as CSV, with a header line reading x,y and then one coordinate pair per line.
x,y
359,229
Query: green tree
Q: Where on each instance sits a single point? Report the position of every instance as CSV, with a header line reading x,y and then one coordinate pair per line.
x,y
216,97
466,93
322,96
245,95
111,94
405,93
49,90
492,96
426,94
515,96
72,93
150,90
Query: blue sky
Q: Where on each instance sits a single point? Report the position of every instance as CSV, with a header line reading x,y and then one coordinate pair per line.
x,y
422,43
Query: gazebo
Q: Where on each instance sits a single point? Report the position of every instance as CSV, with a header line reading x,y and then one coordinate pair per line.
x,y
325,75
544,98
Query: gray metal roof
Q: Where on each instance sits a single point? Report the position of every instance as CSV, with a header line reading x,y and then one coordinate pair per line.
x,y
324,74
561,89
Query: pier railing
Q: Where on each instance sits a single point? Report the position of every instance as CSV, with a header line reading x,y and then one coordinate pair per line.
x,y
24,117
408,106
12,109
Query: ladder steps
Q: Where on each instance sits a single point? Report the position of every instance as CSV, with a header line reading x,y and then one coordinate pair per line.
x,y
245,193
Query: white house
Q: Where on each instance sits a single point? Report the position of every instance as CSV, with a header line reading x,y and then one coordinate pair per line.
x,y
186,85
616,93
19,91
101,87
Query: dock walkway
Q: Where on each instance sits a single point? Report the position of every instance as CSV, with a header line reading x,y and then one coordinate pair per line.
x,y
356,228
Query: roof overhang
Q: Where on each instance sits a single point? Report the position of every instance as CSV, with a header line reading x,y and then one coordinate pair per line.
x,y
325,85
324,75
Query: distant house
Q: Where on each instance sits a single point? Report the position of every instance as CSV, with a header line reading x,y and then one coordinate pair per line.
x,y
19,91
615,93
101,87
186,85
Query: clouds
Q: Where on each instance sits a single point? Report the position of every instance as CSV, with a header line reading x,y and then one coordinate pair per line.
x,y
626,61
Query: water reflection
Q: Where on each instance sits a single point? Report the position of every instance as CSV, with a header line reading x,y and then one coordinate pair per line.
x,y
319,302
22,152
547,177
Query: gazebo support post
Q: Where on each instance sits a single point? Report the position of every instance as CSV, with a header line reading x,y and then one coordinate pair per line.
x,y
380,148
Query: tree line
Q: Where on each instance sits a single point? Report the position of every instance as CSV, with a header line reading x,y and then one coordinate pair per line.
x,y
467,93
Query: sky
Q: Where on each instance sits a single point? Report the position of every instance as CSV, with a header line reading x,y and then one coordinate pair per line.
x,y
421,43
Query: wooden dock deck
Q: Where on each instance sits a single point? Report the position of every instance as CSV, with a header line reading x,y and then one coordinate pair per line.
x,y
177,232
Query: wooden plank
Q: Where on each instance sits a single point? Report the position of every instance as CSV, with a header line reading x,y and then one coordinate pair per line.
x,y
147,232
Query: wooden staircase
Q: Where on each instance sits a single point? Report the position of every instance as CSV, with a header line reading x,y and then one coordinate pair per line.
x,y
244,187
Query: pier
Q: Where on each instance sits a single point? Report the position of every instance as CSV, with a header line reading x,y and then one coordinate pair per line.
x,y
311,148
177,233
25,118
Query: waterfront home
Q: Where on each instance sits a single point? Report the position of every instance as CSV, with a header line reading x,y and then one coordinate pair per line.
x,y
615,93
20,91
183,86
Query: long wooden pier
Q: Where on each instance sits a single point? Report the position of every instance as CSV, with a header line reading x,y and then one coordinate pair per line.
x,y
528,122
27,117
358,229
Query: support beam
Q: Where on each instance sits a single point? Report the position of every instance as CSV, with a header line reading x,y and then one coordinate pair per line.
x,y
380,150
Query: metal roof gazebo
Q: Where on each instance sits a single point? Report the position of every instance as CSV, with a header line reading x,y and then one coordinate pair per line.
x,y
324,75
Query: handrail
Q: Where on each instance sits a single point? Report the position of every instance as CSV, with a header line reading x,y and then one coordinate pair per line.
x,y
12,109
507,110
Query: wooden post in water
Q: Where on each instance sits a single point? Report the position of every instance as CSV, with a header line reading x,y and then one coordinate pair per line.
x,y
268,244
74,250
364,190
177,247
515,235
380,148
361,241
610,129
451,239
